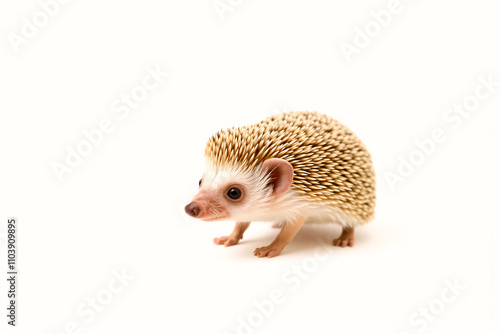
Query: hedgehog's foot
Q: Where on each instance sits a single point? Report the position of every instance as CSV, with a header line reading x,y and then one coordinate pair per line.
x,y
274,249
228,240
234,237
346,238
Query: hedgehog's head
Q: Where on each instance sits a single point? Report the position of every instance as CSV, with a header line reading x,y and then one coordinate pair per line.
x,y
242,194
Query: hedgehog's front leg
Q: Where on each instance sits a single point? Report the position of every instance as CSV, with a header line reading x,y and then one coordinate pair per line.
x,y
234,237
288,231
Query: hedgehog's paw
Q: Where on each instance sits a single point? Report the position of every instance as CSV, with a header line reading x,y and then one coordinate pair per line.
x,y
346,238
269,251
227,241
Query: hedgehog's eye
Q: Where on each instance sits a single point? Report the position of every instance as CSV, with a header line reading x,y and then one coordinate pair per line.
x,y
199,183
234,193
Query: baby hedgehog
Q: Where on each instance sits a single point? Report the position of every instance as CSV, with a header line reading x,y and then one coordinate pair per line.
x,y
289,169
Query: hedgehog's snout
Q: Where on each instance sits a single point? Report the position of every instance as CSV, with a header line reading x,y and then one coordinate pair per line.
x,y
192,209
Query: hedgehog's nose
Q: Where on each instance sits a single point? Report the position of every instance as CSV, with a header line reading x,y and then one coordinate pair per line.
x,y
192,209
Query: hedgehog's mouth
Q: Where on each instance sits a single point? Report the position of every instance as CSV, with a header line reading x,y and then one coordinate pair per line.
x,y
211,212
213,219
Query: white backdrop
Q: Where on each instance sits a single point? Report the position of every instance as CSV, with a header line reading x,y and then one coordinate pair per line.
x,y
137,87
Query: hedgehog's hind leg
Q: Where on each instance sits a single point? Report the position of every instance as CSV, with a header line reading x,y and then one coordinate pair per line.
x,y
346,238
234,237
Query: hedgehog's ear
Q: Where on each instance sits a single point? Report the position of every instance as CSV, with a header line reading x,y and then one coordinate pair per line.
x,y
280,175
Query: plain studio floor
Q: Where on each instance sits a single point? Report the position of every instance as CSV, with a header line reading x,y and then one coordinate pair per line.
x,y
139,86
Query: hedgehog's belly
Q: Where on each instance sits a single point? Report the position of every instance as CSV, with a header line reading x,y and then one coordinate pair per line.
x,y
326,214
289,206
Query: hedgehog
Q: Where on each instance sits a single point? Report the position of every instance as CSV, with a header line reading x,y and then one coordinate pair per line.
x,y
290,169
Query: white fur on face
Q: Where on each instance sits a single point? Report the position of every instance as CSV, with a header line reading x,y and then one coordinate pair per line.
x,y
259,204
